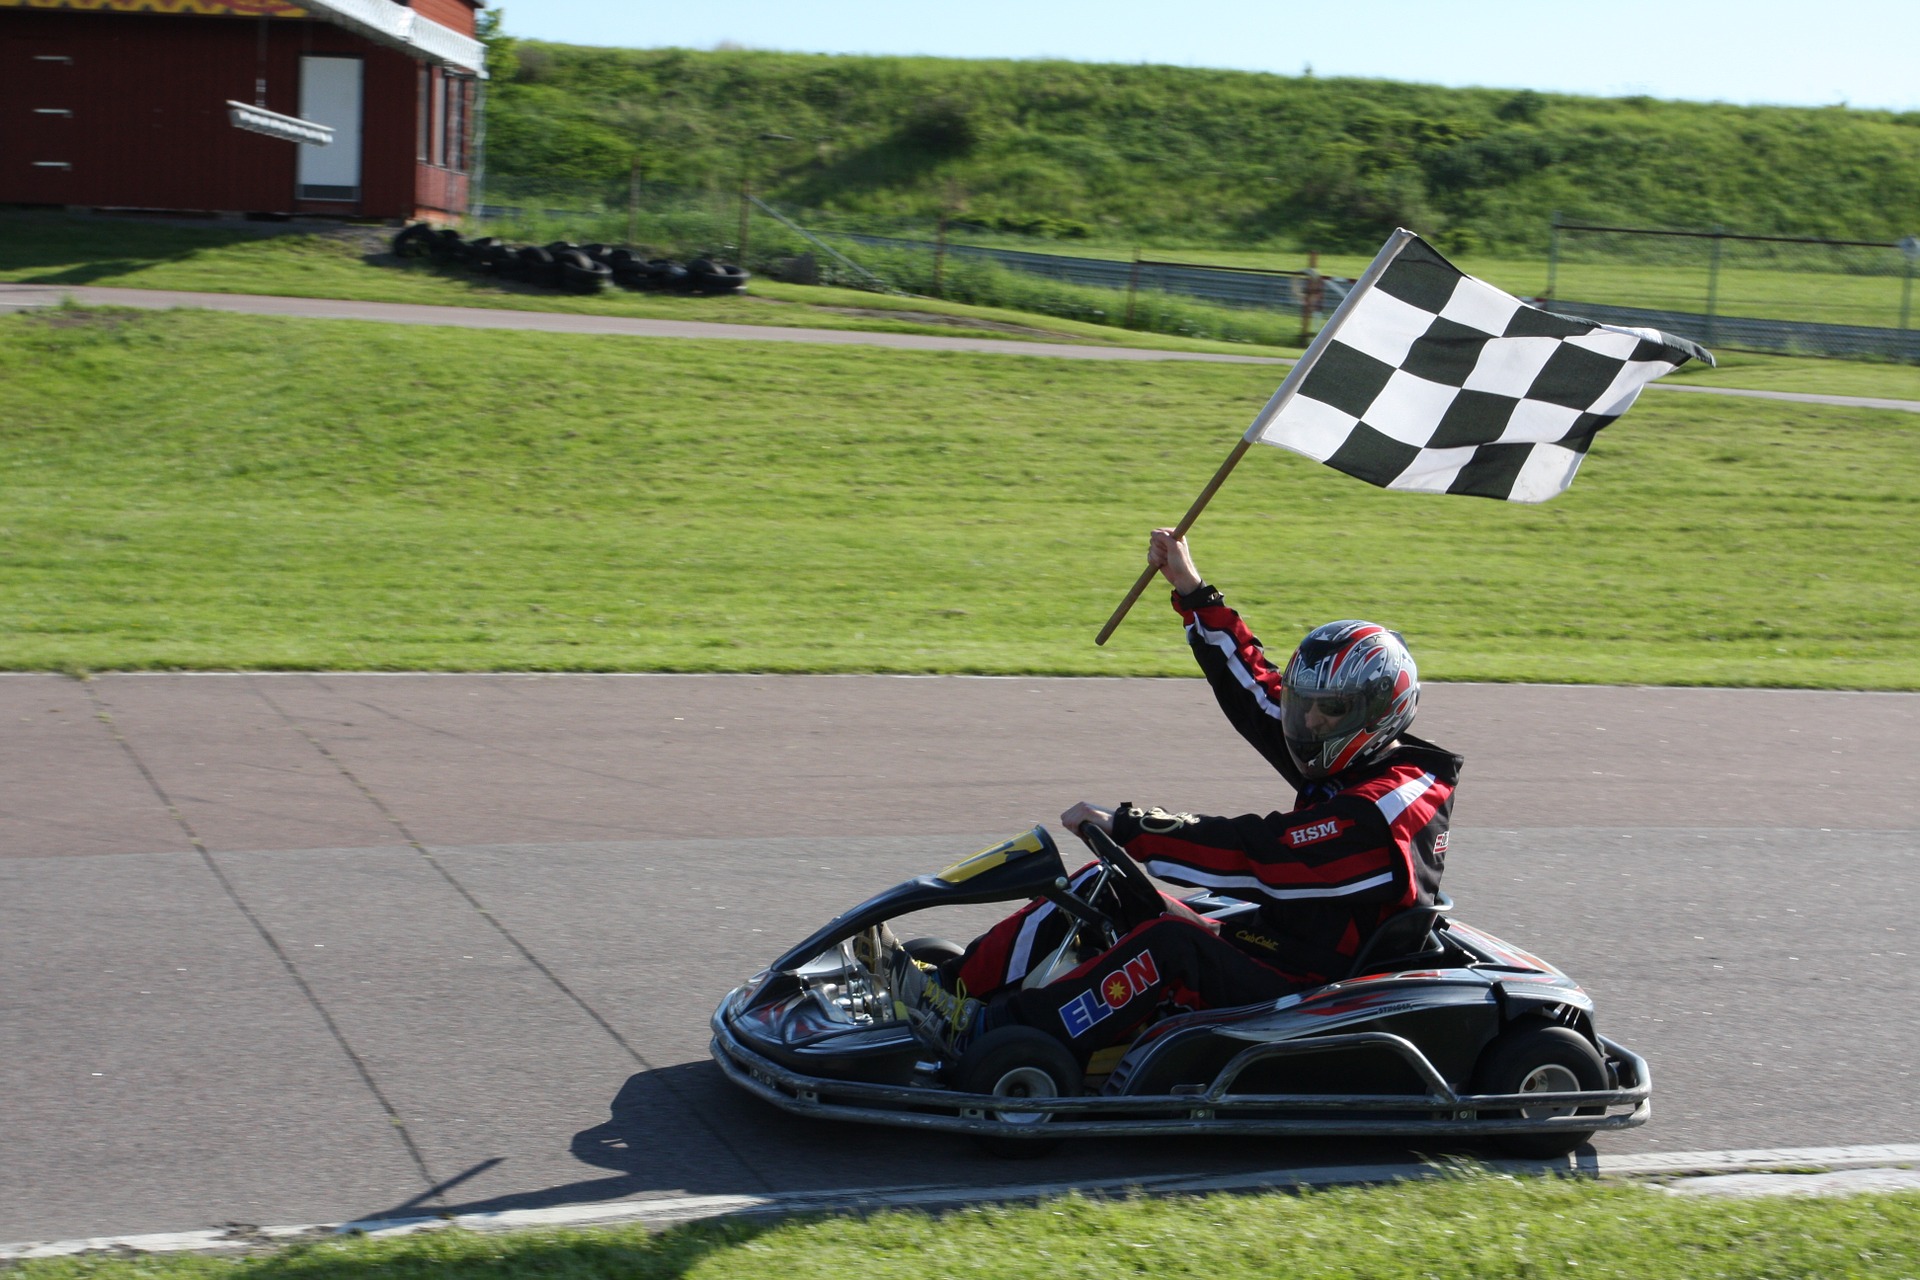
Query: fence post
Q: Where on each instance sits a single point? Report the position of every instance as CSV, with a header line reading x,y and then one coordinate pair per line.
x,y
1311,294
633,202
1133,288
1553,253
940,255
1713,281
746,208
1910,250
1906,305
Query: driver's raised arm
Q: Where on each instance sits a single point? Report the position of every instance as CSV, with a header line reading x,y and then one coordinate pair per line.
x,y
1245,684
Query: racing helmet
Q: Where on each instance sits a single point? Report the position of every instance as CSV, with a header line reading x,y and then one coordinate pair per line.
x,y
1349,690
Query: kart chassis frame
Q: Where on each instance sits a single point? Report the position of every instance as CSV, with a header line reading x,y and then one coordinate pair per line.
x,y
1200,1107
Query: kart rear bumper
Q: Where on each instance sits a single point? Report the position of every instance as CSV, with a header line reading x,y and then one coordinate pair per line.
x,y
1216,1109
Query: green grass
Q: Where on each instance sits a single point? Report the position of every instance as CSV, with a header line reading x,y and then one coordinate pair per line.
x,y
1469,1228
43,249
196,490
1808,374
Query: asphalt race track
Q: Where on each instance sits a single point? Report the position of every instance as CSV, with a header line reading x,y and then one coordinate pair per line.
x,y
295,948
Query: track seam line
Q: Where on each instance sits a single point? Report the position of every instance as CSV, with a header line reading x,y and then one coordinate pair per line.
x,y
395,1120
526,952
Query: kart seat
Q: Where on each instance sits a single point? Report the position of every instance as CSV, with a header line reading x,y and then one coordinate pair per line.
x,y
1405,941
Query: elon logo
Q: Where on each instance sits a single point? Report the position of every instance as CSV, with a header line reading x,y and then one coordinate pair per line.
x,y
1091,1008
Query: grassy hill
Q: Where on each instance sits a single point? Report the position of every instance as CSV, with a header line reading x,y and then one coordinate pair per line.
x,y
1185,156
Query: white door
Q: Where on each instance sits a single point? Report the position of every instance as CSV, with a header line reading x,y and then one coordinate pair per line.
x,y
330,95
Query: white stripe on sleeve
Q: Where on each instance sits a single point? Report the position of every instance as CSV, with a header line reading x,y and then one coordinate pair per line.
x,y
1181,874
1395,802
1224,643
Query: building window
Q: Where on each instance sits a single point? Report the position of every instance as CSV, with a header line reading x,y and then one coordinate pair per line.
x,y
439,117
457,124
424,112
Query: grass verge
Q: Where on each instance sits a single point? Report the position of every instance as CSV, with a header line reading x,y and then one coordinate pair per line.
x,y
44,249
1482,1227
194,490
47,249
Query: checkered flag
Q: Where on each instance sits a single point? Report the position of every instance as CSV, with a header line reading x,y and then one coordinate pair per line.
x,y
1430,380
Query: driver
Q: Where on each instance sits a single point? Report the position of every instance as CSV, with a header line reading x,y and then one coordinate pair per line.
x,y
1366,838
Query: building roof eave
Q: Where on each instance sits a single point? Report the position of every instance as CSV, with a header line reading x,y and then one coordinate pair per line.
x,y
401,28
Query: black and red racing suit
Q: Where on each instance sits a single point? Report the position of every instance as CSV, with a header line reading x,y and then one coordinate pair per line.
x,y
1355,849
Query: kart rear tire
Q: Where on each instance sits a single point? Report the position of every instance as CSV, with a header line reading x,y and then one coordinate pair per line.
x,y
1017,1062
935,951
1546,1059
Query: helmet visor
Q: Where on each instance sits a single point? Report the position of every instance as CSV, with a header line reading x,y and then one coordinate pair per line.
x,y
1313,719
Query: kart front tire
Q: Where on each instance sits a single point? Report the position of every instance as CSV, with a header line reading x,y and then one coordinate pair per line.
x,y
1543,1059
1017,1062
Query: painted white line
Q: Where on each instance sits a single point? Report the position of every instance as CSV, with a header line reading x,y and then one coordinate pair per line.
x,y
1757,1158
1846,1182
1894,1161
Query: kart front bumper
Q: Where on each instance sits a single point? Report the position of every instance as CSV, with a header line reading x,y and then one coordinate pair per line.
x,y
1441,1112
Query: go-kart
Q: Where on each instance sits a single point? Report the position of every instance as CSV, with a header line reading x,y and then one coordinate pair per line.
x,y
1440,1032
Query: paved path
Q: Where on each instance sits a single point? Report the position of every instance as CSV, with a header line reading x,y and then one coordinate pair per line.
x,y
14,297
308,948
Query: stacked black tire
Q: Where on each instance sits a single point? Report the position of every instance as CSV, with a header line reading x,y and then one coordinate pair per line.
x,y
575,268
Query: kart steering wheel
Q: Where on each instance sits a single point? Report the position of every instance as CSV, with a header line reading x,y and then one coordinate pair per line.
x,y
1136,886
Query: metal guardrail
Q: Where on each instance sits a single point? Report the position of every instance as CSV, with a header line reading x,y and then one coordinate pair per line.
x,y
1750,333
518,210
1232,286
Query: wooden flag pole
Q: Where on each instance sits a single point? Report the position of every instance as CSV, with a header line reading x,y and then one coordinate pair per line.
x,y
1391,250
1179,531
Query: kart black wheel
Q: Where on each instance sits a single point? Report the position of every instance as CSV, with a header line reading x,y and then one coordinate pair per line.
x,y
1017,1062
1540,1059
934,951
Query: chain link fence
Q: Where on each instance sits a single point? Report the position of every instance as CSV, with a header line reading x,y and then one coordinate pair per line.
x,y
814,247
1786,294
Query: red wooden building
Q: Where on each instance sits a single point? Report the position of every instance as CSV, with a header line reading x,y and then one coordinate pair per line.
x,y
131,104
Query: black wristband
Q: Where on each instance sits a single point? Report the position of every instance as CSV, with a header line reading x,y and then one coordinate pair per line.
x,y
1201,597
